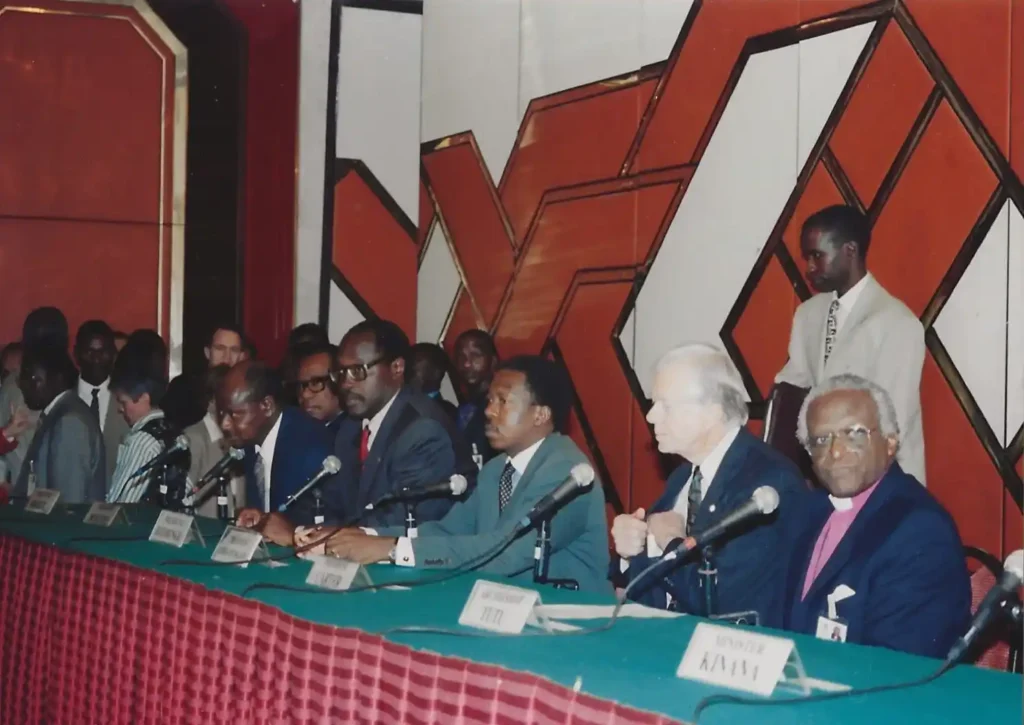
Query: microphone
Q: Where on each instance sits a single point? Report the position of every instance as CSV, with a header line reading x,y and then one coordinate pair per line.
x,y
991,605
329,467
454,486
762,502
218,468
180,444
581,477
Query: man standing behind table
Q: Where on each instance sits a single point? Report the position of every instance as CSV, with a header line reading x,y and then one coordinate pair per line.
x,y
879,561
699,412
475,360
94,355
527,408
315,389
854,326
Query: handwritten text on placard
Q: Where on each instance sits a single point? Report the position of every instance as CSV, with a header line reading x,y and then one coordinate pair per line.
x,y
171,528
498,607
42,501
735,658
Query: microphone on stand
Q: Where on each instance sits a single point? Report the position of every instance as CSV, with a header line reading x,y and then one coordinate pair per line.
x,y
762,502
329,467
218,468
581,477
1004,590
180,444
456,485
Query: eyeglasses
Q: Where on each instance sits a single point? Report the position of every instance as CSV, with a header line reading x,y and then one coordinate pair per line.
x,y
355,373
313,385
855,437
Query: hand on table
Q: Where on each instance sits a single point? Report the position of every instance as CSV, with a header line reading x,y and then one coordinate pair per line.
x,y
248,518
357,545
306,535
666,526
275,527
629,532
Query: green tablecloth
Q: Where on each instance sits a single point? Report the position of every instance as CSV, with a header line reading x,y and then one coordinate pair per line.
x,y
633,663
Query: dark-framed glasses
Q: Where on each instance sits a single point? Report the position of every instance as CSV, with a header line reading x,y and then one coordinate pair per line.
x,y
855,437
313,385
356,373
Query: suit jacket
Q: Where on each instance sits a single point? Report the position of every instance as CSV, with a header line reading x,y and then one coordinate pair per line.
x,y
204,453
10,395
114,429
474,428
881,340
301,447
579,530
902,557
416,445
68,452
752,566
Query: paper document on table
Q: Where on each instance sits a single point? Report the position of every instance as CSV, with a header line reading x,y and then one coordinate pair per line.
x,y
601,611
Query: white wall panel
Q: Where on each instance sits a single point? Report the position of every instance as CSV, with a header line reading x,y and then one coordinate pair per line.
x,y
314,58
628,337
1015,325
825,66
974,320
437,285
379,98
660,24
342,315
471,74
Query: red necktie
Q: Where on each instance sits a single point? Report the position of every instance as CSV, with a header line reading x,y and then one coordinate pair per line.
x,y
364,445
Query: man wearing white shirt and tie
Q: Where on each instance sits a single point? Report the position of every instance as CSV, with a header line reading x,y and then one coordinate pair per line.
x,y
94,354
699,412
854,326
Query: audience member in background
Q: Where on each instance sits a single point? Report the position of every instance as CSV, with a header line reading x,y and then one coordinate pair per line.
x,y
854,326
94,354
44,326
528,406
699,413
300,340
145,344
66,452
475,359
315,388
137,390
392,437
284,448
10,360
21,420
425,371
874,534
186,399
226,346
120,338
207,447
249,351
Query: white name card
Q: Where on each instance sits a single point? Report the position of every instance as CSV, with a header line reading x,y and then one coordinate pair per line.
x,y
42,501
102,514
171,528
237,545
329,572
735,658
498,607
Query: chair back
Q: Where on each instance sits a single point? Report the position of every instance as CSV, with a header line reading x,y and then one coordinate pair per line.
x,y
780,423
985,572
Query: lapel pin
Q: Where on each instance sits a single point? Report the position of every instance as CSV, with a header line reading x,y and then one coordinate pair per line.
x,y
711,509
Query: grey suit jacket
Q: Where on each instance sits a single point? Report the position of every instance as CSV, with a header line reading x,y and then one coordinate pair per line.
x,y
204,454
68,453
10,395
579,530
881,340
115,428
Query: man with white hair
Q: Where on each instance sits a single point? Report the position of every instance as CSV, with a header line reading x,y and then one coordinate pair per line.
x,y
878,561
699,411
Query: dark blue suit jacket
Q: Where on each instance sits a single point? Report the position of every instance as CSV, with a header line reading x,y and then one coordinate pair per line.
x,y
416,445
752,566
302,445
902,556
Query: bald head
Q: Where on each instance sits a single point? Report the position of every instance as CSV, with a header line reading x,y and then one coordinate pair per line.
x,y
248,403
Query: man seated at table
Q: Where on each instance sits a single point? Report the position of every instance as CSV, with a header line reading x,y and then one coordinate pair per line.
x,y
393,438
527,407
699,413
879,560
284,448
66,452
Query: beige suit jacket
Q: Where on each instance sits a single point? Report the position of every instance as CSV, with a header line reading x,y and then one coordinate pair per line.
x,y
204,453
881,340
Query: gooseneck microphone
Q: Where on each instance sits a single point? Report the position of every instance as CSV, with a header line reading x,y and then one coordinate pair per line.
x,y
218,468
990,607
581,477
329,467
762,502
180,444
456,485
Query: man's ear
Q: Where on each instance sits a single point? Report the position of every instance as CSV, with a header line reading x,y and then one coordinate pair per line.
x,y
398,368
206,351
892,444
268,405
541,415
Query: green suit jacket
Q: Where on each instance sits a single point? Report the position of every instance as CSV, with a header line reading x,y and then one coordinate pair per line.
x,y
579,530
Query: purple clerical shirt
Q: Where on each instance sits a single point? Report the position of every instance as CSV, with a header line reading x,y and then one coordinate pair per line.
x,y
832,533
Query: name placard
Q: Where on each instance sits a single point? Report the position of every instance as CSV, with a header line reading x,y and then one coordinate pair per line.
x,y
735,658
42,501
102,514
498,607
329,572
171,528
237,545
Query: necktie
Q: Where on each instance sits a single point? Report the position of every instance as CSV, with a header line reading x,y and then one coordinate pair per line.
x,y
831,328
95,404
364,444
505,485
693,499
261,480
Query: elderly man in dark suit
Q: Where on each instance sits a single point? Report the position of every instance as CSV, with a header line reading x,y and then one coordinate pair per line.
x,y
66,453
699,413
879,561
392,437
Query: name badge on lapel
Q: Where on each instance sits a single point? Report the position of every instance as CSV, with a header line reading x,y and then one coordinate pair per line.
x,y
833,627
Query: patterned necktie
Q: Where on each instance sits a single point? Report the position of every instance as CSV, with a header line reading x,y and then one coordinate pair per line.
x,y
505,485
364,444
693,499
831,328
94,406
261,479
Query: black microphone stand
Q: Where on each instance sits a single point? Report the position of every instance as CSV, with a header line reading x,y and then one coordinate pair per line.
x,y
709,581
410,519
222,497
541,560
319,511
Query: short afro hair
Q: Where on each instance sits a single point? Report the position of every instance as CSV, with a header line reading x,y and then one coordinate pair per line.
x,y
548,384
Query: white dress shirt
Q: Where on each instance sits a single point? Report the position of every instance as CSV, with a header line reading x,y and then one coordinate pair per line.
x,y
266,452
85,393
847,302
374,423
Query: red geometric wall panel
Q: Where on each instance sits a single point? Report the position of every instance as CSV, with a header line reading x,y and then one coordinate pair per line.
x,y
1017,88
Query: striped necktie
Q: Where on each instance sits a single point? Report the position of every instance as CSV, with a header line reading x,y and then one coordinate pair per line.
x,y
831,328
261,481
693,499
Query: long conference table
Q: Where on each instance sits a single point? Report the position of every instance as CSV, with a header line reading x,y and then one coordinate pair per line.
x,y
97,627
